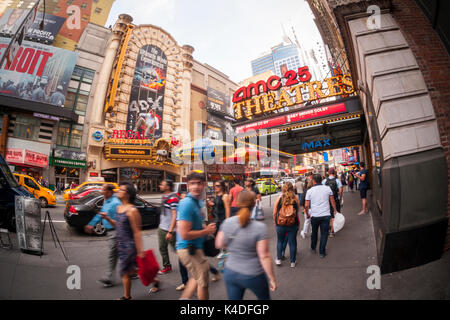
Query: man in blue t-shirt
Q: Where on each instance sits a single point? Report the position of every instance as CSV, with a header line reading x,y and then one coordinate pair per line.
x,y
363,186
190,237
110,208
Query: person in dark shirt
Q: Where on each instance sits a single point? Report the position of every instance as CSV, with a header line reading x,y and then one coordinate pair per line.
x,y
363,186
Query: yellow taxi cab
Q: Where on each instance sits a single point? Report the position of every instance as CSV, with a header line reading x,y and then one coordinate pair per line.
x,y
86,185
45,196
266,179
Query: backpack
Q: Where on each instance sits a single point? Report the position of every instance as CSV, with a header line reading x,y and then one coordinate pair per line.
x,y
333,185
286,215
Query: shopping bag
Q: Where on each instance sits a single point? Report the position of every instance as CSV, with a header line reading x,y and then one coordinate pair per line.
x,y
222,258
148,267
339,221
257,213
253,217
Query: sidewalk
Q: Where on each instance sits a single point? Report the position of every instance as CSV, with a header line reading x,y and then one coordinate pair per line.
x,y
341,275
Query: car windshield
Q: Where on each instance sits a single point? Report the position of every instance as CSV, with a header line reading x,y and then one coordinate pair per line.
x,y
88,187
90,197
8,175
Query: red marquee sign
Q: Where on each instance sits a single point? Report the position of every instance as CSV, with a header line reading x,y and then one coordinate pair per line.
x,y
21,156
293,117
36,159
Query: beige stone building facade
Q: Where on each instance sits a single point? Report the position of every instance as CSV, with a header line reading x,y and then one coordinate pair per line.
x,y
151,95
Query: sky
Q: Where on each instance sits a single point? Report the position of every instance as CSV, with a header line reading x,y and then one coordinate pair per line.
x,y
226,34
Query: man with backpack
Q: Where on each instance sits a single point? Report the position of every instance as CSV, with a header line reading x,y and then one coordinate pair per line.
x,y
335,186
317,207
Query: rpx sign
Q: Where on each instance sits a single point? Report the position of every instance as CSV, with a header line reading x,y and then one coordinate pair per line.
x,y
272,84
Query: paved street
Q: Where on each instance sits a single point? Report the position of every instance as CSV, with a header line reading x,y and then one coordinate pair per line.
x,y
341,275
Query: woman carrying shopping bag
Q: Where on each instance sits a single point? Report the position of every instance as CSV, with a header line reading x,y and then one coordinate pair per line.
x,y
128,236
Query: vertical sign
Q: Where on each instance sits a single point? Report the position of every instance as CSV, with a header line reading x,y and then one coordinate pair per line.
x,y
28,223
147,93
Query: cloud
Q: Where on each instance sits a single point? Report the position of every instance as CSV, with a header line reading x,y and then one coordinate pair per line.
x,y
144,12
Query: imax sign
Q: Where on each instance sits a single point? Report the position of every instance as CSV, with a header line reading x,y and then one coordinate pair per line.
x,y
316,144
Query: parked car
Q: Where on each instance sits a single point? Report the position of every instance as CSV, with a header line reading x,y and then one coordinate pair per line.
x,y
9,189
98,184
45,195
79,212
267,187
82,193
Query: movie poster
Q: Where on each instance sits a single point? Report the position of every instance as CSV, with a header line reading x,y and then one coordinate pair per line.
x,y
38,73
9,22
145,107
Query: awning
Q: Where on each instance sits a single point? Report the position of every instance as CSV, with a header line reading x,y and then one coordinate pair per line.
x,y
67,163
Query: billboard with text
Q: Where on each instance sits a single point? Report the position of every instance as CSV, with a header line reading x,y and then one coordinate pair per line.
x,y
38,73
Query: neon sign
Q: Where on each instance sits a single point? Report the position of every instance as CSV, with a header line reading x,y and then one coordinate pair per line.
x,y
261,97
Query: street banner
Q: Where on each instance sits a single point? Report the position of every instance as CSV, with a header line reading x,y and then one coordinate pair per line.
x,y
38,73
52,25
145,109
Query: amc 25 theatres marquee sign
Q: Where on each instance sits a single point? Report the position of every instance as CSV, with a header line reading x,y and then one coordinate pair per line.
x,y
262,97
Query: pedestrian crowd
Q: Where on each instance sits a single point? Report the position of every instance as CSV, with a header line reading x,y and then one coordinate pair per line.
x,y
231,231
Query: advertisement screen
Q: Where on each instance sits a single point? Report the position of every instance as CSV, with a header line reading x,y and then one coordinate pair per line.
x,y
220,125
75,15
145,107
52,25
38,73
217,101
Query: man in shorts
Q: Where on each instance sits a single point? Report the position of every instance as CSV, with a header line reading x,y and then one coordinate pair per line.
x,y
363,186
190,237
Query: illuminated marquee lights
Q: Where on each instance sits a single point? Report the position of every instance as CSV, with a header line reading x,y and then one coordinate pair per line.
x,y
245,105
243,135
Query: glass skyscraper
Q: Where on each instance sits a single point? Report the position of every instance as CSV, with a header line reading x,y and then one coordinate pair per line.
x,y
282,57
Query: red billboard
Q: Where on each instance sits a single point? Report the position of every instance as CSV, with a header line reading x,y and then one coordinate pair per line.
x,y
293,117
314,113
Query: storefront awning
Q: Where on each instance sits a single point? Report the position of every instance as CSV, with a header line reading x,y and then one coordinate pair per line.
x,y
67,163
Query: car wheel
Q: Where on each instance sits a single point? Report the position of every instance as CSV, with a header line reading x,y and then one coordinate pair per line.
x,y
99,229
44,202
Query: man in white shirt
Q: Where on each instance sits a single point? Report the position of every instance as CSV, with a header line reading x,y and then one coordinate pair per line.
x,y
317,207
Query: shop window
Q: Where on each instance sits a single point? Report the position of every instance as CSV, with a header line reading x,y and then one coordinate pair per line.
x,y
27,128
70,99
79,90
63,134
69,135
76,136
81,104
